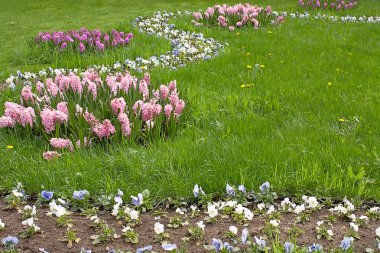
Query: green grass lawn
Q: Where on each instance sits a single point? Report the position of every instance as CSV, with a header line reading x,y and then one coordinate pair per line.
x,y
286,129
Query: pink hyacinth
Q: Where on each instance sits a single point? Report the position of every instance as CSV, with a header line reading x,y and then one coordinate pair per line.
x,y
13,110
50,117
174,98
82,48
40,86
6,121
62,107
50,155
173,85
179,106
146,78
164,91
125,125
27,94
137,107
147,111
60,143
118,105
143,88
27,117
168,110
106,129
90,119
92,87
51,87
268,10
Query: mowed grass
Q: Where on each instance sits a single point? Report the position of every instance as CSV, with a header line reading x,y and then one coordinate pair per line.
x,y
309,125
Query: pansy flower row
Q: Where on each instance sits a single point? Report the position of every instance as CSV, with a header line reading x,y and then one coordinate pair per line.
x,y
235,16
239,205
78,110
83,40
328,4
319,16
186,47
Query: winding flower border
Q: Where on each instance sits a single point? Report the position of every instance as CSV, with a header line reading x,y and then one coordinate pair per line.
x,y
186,46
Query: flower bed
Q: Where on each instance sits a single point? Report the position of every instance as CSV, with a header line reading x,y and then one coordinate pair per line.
x,y
328,4
82,40
73,110
236,16
242,221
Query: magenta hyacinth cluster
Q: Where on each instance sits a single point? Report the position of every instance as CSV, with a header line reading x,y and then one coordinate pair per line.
x,y
328,4
236,16
84,40
75,111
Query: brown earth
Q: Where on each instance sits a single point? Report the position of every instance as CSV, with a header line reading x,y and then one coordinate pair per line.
x,y
51,234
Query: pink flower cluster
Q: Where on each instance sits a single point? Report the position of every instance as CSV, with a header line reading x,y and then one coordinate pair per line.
x,y
236,16
84,40
50,117
328,4
84,107
14,113
60,143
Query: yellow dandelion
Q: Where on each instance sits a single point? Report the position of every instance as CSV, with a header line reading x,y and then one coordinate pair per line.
x,y
250,85
350,54
262,66
249,66
237,33
243,86
248,53
337,70
269,54
9,147
329,83
269,32
342,120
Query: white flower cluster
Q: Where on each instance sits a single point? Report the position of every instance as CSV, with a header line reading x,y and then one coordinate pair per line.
x,y
343,209
347,18
185,47
57,209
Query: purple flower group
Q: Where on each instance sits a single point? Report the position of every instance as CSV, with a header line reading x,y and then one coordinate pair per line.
x,y
328,4
84,40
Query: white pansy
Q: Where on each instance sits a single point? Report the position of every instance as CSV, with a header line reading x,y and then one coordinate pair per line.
x,y
201,225
274,223
212,211
134,215
233,230
159,228
354,227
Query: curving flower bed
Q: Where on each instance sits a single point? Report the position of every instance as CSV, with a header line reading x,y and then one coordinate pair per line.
x,y
186,46
328,4
74,111
236,16
82,40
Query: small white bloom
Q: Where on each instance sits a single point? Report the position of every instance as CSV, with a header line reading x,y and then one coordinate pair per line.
x,y
377,231
299,209
2,225
330,232
126,229
261,206
201,225
134,215
354,227
233,230
159,228
178,210
270,210
212,211
274,223
28,222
